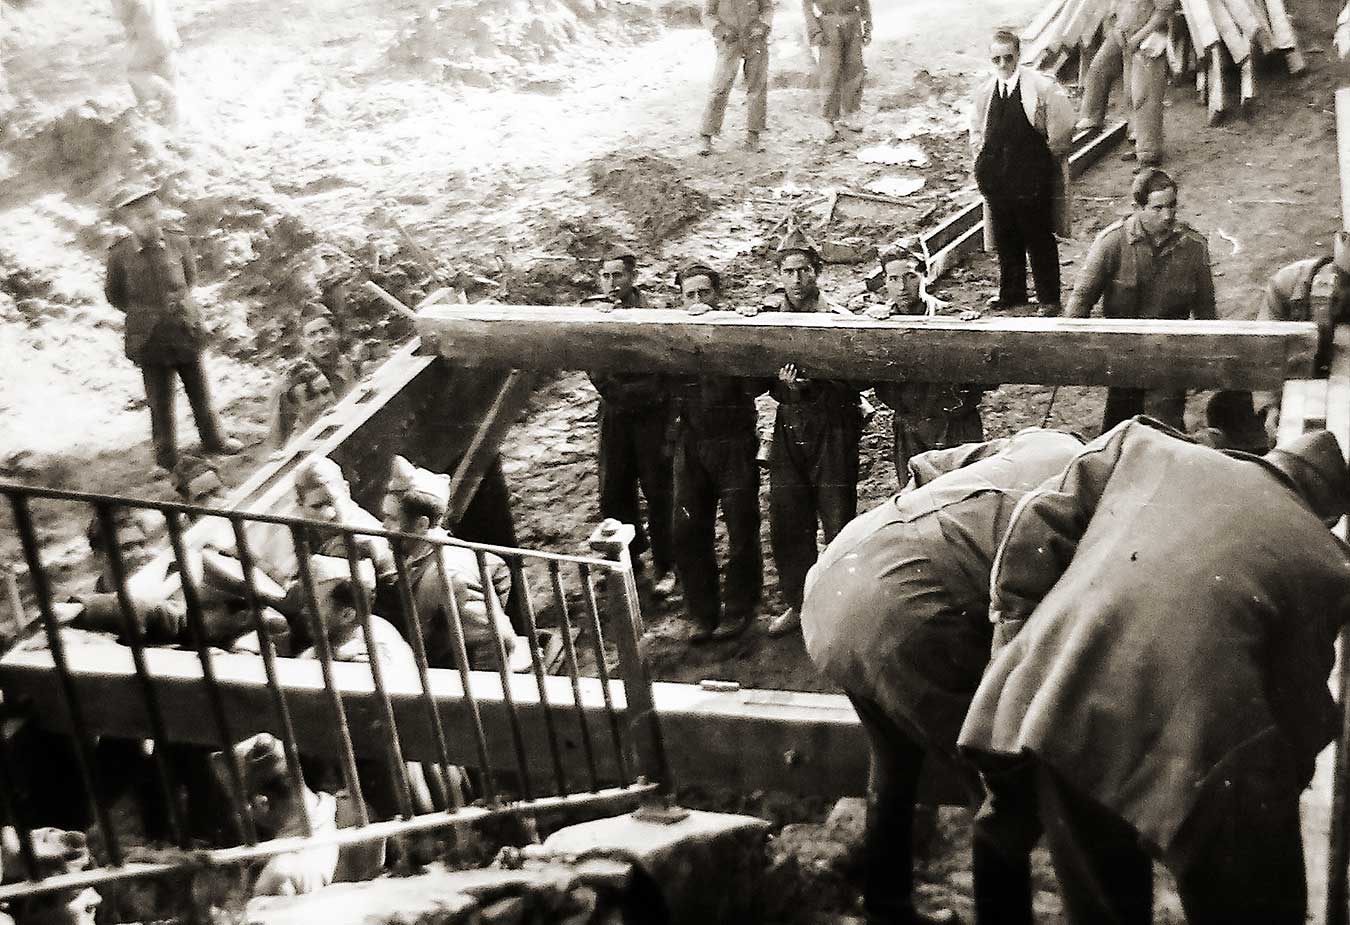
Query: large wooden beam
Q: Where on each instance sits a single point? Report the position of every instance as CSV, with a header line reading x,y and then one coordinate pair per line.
x,y
1052,351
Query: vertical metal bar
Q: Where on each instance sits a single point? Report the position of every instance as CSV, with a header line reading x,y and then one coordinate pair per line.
x,y
269,659
419,648
10,812
241,805
117,572
398,771
461,654
491,607
1338,849
570,657
602,667
84,750
319,630
521,588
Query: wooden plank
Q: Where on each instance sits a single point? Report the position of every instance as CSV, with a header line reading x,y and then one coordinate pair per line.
x,y
1292,405
1218,84
1247,90
1315,404
1281,29
1239,47
497,421
1343,150
1089,149
1242,15
1179,354
1042,20
1200,21
1293,61
958,250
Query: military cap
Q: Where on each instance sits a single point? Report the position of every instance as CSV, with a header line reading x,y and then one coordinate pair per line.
x,y
129,193
698,268
796,242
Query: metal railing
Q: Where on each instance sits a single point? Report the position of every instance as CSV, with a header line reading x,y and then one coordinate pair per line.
x,y
531,742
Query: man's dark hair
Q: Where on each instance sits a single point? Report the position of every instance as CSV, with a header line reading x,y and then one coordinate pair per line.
x,y
902,253
629,261
1008,37
699,269
1148,182
811,255
417,504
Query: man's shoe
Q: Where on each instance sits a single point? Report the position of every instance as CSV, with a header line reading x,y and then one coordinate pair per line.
x,y
833,133
702,635
664,584
854,122
1051,310
224,446
706,147
753,144
996,301
786,622
1129,156
1084,125
734,628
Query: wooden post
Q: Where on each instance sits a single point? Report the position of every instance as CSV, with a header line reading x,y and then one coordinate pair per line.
x,y
1343,150
1247,94
1338,852
1218,86
487,440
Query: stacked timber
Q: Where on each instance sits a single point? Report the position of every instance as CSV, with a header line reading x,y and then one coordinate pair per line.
x,y
1213,39
1343,32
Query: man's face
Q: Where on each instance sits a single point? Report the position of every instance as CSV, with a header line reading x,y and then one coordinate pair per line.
x,y
699,290
318,503
902,282
143,219
1004,58
797,274
1159,214
320,338
616,279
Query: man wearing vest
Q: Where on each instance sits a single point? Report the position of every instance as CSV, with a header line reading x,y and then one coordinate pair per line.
x,y
740,29
813,466
634,414
1020,131
1149,265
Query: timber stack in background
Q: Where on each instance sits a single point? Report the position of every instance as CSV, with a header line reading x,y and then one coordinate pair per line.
x,y
1218,41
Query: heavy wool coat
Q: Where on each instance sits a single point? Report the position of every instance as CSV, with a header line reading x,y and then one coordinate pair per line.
x,y
1178,608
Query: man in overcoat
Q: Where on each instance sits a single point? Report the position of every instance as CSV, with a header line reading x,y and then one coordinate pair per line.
x,y
1166,614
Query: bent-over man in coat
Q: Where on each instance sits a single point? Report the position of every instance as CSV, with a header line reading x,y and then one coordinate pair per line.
x,y
1167,690
896,613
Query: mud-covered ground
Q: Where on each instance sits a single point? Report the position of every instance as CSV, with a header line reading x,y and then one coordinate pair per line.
x,y
511,142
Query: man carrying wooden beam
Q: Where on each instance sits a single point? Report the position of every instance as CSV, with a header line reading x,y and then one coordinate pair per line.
x,y
1021,129
1149,265
713,421
813,465
1167,617
1134,44
897,613
633,452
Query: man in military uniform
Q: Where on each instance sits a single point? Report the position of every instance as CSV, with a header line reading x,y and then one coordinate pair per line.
x,y
321,378
1315,289
1149,265
150,277
813,465
1134,44
713,421
741,30
634,414
839,29
928,415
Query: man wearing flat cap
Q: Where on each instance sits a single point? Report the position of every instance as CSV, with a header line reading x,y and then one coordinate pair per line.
x,y
634,413
1164,624
713,422
150,275
813,465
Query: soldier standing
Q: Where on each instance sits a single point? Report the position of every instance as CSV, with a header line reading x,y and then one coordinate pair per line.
x,y
150,277
839,29
741,30
634,413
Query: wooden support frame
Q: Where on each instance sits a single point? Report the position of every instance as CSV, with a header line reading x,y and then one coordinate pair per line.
x,y
1218,84
1051,351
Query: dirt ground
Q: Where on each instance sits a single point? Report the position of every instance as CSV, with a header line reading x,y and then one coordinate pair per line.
x,y
512,141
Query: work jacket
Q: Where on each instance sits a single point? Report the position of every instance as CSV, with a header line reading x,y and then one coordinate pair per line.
x,y
1178,608
152,284
1134,278
1290,296
826,19
1052,114
479,605
896,609
739,19
825,395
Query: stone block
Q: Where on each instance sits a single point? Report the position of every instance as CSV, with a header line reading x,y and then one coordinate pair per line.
x,y
701,870
427,899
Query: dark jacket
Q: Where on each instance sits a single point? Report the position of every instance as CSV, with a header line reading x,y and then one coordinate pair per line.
x,y
1178,609
629,391
1135,279
828,396
152,284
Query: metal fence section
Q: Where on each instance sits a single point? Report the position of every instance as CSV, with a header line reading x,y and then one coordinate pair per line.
x,y
452,734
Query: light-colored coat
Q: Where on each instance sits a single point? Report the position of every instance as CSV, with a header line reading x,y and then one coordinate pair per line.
x,y
1052,114
1178,609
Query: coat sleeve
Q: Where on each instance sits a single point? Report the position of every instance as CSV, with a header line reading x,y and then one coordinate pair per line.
x,y
1091,283
978,114
1044,532
1060,118
1203,309
115,283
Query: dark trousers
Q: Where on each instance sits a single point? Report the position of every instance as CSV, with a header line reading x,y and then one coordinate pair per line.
x,y
1002,881
1123,404
633,452
813,476
709,472
1024,226
159,395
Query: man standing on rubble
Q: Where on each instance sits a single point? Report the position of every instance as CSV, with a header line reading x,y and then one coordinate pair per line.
x,y
896,613
1150,265
1021,127
634,414
1134,44
740,30
1167,615
713,422
813,465
838,30
150,275
928,415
